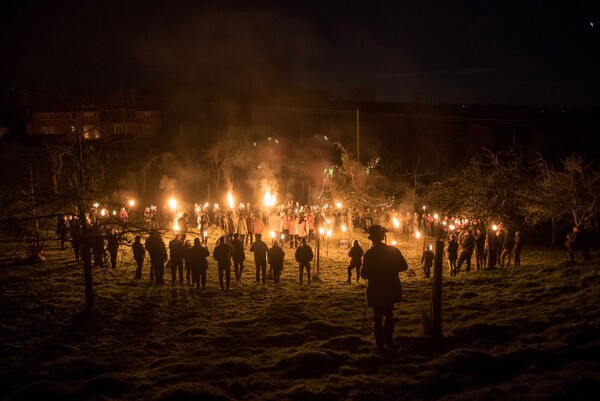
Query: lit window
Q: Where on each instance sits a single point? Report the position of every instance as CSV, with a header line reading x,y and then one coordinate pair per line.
x,y
121,128
46,116
91,132
48,129
148,128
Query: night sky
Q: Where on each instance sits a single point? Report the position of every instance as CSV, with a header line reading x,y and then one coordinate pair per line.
x,y
535,53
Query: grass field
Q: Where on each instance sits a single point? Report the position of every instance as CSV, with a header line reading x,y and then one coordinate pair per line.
x,y
528,333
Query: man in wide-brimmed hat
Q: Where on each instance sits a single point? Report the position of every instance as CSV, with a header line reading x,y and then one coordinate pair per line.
x,y
381,265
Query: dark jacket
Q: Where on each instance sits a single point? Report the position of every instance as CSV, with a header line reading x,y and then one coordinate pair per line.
x,y
222,254
177,250
427,258
197,257
238,255
452,250
156,248
468,245
381,266
356,253
260,250
275,256
304,254
138,251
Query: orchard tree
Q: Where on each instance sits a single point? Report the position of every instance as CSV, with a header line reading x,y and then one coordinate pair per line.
x,y
488,188
569,194
357,185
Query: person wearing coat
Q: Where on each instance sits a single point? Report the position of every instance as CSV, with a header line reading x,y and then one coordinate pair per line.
x,y
238,256
381,265
303,256
198,263
222,254
275,257
452,253
139,252
356,254
260,249
242,227
158,256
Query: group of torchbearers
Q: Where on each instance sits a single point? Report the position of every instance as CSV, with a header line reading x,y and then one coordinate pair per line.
x,y
380,265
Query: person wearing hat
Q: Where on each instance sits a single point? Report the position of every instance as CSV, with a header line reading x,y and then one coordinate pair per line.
x,y
381,265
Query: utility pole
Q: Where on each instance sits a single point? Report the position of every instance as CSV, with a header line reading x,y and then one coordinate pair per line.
x,y
357,136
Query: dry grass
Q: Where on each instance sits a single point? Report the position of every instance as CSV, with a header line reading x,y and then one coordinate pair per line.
x,y
514,333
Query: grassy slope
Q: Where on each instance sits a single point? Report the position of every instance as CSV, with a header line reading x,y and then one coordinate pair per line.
x,y
527,333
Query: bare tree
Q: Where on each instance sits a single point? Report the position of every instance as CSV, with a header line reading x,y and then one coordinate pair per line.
x,y
569,194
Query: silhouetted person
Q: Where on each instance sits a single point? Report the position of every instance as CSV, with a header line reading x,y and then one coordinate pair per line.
x,y
158,256
222,254
452,254
479,249
198,263
176,251
275,257
304,255
76,234
491,247
62,229
466,252
381,265
239,255
187,246
139,252
427,261
356,254
507,247
570,246
518,245
112,242
260,249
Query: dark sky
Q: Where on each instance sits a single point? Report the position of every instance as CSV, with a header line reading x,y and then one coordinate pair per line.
x,y
538,53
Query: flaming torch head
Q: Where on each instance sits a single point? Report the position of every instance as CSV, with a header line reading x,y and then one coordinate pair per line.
x,y
131,203
418,234
230,200
172,202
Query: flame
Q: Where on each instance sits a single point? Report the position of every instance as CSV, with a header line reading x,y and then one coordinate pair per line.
x,y
396,222
338,205
418,234
272,234
175,226
321,230
131,203
494,227
451,227
172,202
394,243
435,216
205,234
230,200
269,199
344,228
329,232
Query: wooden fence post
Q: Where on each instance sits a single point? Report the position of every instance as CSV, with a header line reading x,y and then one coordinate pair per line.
x,y
436,295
